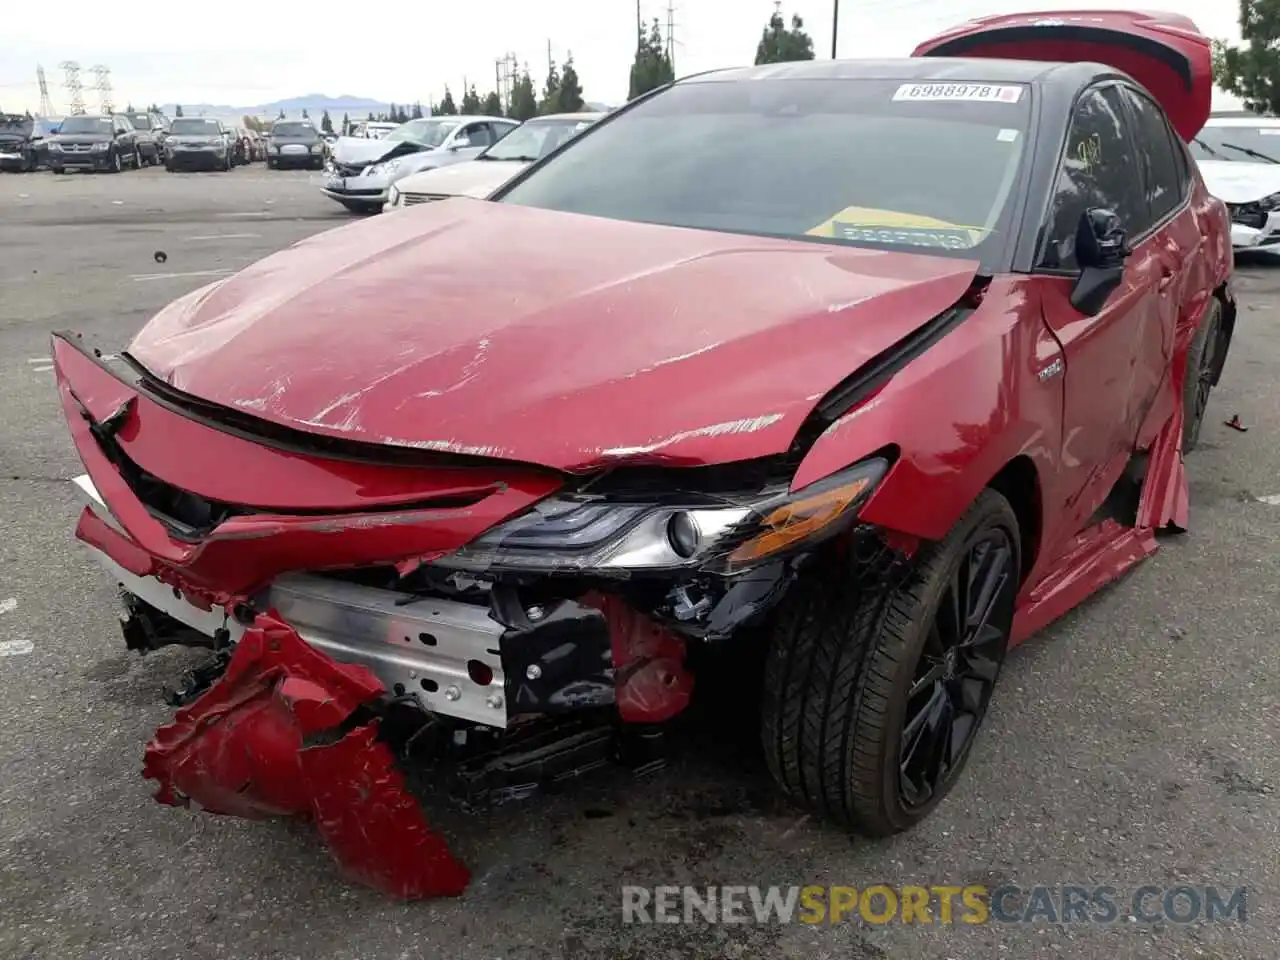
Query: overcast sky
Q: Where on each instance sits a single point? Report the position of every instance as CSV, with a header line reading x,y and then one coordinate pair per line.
x,y
243,52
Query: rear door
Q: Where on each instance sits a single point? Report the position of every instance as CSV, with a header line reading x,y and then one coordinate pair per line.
x,y
1177,240
1164,52
1110,357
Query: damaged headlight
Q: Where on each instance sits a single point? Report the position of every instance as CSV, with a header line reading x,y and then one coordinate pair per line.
x,y
1270,203
582,534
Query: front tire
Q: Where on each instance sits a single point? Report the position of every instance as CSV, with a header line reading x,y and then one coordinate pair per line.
x,y
115,164
875,687
1202,372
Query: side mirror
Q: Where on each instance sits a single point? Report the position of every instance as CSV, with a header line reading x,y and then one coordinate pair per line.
x,y
1101,250
459,143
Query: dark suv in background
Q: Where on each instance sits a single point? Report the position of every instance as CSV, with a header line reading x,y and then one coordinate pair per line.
x,y
89,142
24,142
152,129
295,143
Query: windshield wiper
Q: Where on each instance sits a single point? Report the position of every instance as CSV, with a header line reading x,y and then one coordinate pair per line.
x,y
1251,153
1205,147
519,158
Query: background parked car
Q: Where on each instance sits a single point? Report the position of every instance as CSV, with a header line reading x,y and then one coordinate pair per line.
x,y
480,177
150,144
92,142
24,143
295,143
1239,158
241,147
372,129
198,143
364,170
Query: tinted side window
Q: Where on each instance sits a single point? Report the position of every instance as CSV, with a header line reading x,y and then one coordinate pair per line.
x,y
1098,170
1165,180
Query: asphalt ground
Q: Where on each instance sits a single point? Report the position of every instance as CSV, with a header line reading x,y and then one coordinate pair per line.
x,y
1131,744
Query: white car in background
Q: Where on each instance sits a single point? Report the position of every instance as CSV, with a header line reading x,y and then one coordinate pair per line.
x,y
361,171
372,129
1239,158
480,177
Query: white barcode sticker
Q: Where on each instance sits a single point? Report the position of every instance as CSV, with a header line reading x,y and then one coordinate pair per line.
x,y
961,92
1007,136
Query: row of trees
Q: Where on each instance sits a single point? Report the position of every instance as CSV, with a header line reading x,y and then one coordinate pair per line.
x,y
561,93
653,66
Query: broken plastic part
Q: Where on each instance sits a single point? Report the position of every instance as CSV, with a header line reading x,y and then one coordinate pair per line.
x,y
277,735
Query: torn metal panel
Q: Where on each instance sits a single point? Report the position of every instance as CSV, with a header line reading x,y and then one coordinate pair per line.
x,y
279,735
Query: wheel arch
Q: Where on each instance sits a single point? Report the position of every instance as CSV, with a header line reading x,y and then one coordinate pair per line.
x,y
1226,329
1018,481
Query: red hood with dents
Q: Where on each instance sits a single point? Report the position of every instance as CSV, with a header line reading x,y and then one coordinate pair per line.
x,y
545,337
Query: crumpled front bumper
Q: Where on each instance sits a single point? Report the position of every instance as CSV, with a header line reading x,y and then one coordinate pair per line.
x,y
317,662
1244,237
280,735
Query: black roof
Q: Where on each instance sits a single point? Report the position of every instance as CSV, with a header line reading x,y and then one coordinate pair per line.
x,y
923,69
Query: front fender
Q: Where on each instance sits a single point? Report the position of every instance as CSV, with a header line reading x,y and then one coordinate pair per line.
x,y
957,414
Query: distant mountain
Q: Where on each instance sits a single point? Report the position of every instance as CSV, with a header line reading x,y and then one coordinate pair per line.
x,y
314,103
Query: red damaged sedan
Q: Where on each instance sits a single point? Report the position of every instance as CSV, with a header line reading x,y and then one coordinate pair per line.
x,y
872,367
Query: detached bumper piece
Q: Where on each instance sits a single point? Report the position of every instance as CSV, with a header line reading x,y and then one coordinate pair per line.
x,y
286,732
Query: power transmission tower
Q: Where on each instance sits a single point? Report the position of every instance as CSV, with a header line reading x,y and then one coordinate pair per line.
x,y
46,102
75,92
505,74
671,34
102,84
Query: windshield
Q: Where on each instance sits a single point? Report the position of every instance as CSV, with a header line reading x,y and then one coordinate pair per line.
x,y
195,127
1242,144
535,139
17,125
428,133
140,121
285,129
87,125
869,163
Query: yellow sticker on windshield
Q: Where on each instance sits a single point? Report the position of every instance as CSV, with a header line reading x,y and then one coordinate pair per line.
x,y
869,225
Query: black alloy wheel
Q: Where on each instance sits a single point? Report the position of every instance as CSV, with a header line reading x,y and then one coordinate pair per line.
x,y
880,669
957,669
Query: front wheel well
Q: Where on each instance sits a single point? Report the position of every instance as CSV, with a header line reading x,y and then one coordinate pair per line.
x,y
1019,483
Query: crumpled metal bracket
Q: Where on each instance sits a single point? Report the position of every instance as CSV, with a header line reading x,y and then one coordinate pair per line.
x,y
278,736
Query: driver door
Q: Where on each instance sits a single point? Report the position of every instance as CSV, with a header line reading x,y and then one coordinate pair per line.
x,y
1107,391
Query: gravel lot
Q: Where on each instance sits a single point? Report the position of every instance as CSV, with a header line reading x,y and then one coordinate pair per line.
x,y
1133,743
